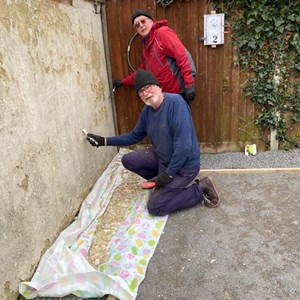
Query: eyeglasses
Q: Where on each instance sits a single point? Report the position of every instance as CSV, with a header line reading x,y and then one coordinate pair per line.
x,y
138,24
146,88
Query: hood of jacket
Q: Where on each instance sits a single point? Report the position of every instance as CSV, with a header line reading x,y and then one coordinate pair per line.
x,y
148,40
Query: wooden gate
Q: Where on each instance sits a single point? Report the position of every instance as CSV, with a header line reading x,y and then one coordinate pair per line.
x,y
223,117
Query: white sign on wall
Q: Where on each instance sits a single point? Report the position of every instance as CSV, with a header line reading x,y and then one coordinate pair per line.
x,y
214,29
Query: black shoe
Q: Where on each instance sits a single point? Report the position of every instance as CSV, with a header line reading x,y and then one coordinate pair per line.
x,y
211,196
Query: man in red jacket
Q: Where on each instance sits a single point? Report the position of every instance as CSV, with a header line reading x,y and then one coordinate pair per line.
x,y
164,56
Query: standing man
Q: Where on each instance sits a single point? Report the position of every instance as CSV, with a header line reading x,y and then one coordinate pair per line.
x,y
173,161
164,56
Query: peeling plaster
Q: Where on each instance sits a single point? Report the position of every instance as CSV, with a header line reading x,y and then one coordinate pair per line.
x,y
54,83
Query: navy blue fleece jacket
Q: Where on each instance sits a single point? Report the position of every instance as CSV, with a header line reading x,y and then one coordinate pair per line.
x,y
171,131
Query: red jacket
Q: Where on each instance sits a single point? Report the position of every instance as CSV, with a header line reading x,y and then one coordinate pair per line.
x,y
165,56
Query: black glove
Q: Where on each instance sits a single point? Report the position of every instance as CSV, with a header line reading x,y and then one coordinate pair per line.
x,y
95,140
161,180
189,94
117,84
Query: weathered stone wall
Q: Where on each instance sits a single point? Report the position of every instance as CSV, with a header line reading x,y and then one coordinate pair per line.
x,y
53,83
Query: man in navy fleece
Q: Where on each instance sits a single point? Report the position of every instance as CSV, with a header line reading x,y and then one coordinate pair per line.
x,y
173,161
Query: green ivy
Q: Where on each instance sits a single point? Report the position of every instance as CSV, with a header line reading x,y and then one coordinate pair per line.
x,y
266,37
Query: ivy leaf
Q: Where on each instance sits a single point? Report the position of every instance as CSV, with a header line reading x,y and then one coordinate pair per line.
x,y
252,44
291,17
258,28
250,21
280,29
297,66
279,22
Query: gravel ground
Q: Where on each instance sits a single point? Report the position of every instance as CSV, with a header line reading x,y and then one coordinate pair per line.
x,y
238,160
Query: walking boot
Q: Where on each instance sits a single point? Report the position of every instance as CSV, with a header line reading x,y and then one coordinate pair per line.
x,y
210,193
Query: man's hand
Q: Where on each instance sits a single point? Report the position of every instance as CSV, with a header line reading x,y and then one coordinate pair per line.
x,y
161,180
95,140
189,94
117,84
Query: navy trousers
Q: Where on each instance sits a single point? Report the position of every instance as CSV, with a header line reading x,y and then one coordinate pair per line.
x,y
176,195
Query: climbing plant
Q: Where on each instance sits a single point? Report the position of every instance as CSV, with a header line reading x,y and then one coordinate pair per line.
x,y
266,36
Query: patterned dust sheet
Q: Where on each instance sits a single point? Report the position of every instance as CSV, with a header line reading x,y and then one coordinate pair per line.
x,y
64,268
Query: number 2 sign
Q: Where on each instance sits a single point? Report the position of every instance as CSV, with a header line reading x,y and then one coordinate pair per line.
x,y
214,29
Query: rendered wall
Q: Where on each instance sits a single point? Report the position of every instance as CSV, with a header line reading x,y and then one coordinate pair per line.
x,y
53,83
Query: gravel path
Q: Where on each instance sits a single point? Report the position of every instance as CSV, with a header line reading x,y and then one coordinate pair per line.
x,y
238,160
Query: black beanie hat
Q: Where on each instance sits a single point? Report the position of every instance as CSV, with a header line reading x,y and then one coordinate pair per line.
x,y
138,13
143,78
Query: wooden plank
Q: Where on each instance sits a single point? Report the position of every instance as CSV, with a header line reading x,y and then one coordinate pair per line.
x,y
200,107
227,108
254,170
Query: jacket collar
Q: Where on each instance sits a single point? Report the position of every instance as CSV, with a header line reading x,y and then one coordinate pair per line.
x,y
148,40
